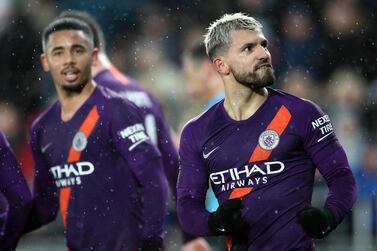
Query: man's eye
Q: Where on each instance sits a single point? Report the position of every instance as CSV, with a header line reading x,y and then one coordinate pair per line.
x,y
78,50
57,53
247,48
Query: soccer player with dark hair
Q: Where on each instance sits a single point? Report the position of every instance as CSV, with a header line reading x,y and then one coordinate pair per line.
x,y
15,198
202,81
106,74
93,157
260,148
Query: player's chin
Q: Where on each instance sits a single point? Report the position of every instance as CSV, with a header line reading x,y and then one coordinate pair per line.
x,y
269,73
264,80
265,70
73,87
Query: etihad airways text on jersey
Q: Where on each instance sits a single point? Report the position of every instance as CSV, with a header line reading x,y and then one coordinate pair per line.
x,y
70,174
243,176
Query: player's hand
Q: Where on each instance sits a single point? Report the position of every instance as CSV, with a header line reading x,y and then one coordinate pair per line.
x,y
198,244
152,245
316,223
228,220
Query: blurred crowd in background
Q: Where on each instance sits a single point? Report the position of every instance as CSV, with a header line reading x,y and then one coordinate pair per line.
x,y
322,50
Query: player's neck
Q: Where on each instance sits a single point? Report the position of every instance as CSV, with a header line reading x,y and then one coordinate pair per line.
x,y
242,102
71,102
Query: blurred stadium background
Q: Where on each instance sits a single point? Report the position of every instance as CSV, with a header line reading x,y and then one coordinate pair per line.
x,y
322,50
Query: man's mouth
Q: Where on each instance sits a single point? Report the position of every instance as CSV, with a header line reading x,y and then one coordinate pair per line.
x,y
70,75
266,65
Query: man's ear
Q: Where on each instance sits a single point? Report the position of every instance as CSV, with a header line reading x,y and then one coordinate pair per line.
x,y
44,62
220,65
95,56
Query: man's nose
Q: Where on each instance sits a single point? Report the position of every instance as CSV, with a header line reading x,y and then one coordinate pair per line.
x,y
69,58
262,53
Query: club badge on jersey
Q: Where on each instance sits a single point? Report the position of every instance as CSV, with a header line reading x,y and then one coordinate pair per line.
x,y
79,141
269,140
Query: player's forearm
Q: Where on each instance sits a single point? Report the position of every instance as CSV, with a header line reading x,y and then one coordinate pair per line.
x,y
170,159
45,205
192,214
41,214
19,200
155,199
342,188
4,210
171,167
342,194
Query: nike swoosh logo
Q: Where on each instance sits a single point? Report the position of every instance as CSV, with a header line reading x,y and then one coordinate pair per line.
x,y
324,136
324,232
44,149
205,156
221,229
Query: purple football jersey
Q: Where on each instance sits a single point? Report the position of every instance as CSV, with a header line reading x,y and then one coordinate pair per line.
x,y
154,121
16,202
4,210
269,161
103,171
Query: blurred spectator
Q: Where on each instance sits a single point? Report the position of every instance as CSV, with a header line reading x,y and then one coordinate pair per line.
x,y
157,27
202,81
346,98
6,8
40,12
10,123
366,179
15,127
367,175
19,45
300,40
162,78
301,84
350,38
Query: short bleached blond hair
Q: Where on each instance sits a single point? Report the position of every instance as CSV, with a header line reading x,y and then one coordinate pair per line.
x,y
218,33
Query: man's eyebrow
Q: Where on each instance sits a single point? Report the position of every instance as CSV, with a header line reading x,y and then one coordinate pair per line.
x,y
57,48
78,46
248,45
73,46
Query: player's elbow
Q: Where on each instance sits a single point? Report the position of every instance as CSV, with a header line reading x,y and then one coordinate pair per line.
x,y
192,220
352,182
26,200
344,179
184,218
40,214
18,195
47,218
